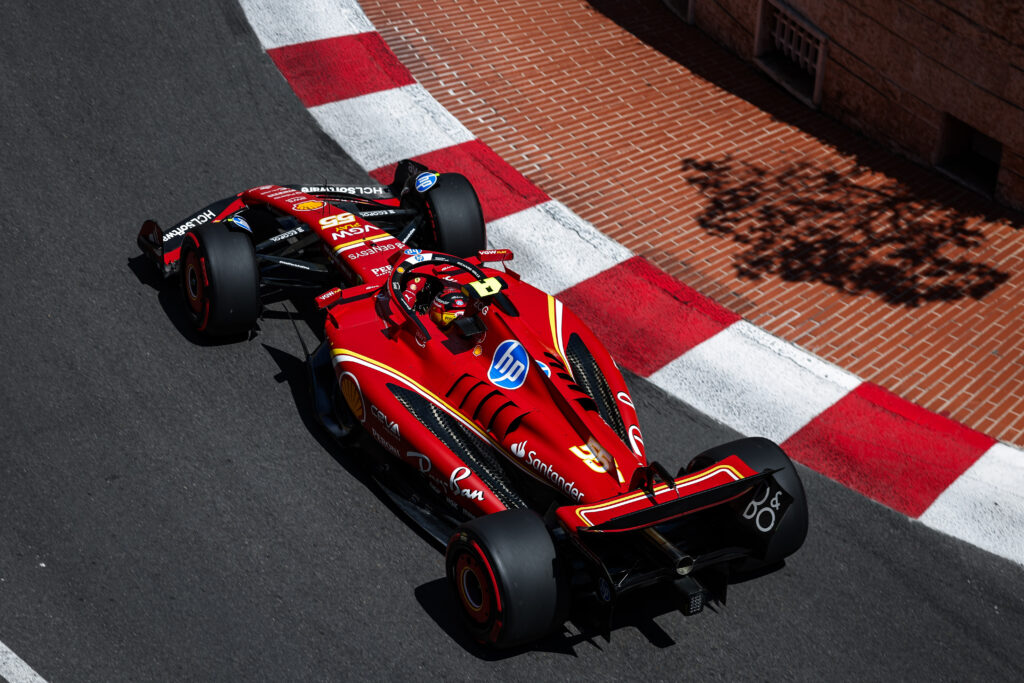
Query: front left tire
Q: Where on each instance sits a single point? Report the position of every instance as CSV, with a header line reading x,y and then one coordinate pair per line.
x,y
219,281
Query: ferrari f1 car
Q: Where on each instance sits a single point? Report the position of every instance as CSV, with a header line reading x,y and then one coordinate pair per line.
x,y
506,431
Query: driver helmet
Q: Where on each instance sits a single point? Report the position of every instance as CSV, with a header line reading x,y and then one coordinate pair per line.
x,y
447,306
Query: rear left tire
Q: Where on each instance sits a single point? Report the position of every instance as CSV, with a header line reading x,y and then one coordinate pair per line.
x,y
502,568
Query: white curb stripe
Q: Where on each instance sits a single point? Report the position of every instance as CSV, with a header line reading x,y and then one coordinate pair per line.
x,y
286,22
14,670
754,382
985,505
390,125
554,248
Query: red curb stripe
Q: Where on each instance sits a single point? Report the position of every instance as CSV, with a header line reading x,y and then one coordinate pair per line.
x,y
664,317
333,69
503,191
887,448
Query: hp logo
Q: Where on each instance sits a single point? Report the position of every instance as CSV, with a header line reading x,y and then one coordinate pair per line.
x,y
509,366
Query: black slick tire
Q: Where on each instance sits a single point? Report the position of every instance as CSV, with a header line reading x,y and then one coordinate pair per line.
x,y
761,454
456,216
219,281
502,568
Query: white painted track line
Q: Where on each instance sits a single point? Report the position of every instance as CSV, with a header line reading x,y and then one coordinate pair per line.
x,y
286,22
14,670
754,382
985,505
554,248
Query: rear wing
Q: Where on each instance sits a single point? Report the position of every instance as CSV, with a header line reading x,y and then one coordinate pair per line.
x,y
728,481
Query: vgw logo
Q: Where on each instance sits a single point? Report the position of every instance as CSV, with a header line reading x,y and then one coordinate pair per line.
x,y
509,366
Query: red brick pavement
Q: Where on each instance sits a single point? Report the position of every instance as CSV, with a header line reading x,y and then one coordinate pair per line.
x,y
666,142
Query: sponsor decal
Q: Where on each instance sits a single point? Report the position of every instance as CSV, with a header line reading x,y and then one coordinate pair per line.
x,y
521,451
419,258
285,235
391,425
341,189
194,222
309,205
423,463
379,438
509,366
338,219
412,252
625,398
372,214
241,222
764,512
544,368
494,255
383,270
594,457
458,474
353,395
353,231
375,249
328,297
425,181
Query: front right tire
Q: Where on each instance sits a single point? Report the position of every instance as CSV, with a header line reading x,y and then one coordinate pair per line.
x,y
458,221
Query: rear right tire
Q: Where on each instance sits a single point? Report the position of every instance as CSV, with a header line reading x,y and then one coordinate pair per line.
x,y
761,454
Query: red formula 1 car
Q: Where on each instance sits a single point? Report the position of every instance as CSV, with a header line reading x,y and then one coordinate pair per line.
x,y
506,430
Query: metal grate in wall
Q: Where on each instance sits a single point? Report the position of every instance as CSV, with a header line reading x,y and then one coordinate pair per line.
x,y
791,50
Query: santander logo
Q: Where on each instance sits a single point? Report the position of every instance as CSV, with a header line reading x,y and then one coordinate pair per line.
x,y
521,451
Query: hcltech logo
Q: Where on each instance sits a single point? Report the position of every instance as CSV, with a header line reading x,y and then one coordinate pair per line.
x,y
425,181
509,366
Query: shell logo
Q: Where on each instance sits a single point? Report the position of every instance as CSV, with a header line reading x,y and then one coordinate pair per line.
x,y
311,205
353,396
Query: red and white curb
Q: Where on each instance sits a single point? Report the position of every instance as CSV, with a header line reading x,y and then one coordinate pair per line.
x,y
949,477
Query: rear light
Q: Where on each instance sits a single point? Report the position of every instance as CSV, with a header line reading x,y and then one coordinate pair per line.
x,y
689,595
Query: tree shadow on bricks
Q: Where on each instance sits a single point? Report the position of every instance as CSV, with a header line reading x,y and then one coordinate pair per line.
x,y
856,231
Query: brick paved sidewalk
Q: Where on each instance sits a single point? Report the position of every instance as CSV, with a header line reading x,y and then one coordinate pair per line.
x,y
688,156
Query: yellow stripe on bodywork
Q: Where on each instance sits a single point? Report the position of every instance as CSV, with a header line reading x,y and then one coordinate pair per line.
x,y
555,320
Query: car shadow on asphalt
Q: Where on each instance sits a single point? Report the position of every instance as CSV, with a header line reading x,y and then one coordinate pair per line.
x,y
356,454
169,296
639,612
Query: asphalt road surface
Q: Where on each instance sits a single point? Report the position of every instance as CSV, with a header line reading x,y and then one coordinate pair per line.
x,y
167,510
